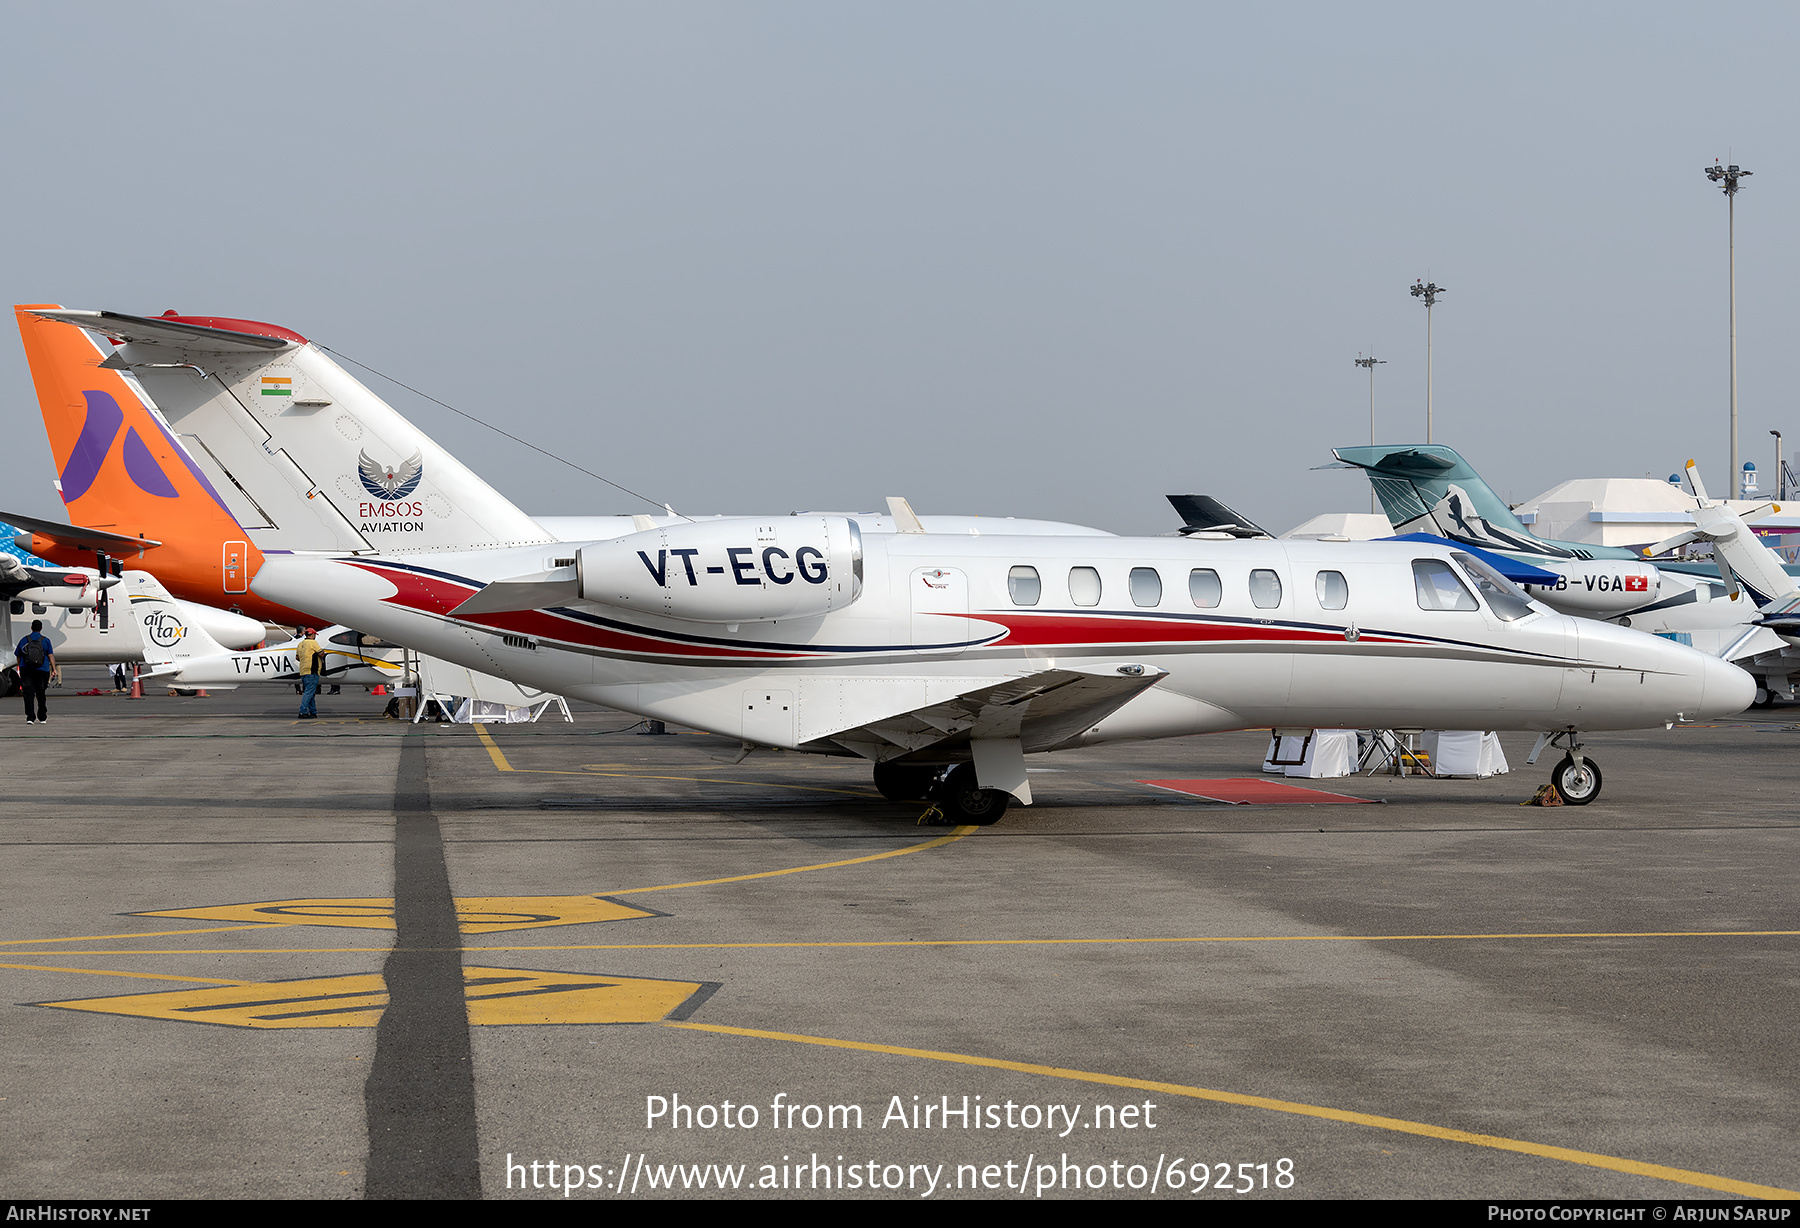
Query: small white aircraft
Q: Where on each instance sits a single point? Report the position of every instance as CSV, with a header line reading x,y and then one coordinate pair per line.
x,y
184,655
915,650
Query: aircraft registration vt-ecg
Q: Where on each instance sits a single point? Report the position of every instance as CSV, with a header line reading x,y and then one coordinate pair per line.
x,y
942,658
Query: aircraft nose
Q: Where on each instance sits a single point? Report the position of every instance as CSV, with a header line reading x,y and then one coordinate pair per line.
x,y
1726,690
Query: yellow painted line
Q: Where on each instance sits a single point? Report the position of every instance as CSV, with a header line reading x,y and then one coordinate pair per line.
x,y
493,748
956,834
492,996
940,942
474,914
216,929
147,976
1591,1159
500,761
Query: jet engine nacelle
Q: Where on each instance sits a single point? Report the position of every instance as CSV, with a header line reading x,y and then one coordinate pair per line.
x,y
729,571
1598,586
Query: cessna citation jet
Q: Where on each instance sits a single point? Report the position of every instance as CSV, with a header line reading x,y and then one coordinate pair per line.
x,y
941,658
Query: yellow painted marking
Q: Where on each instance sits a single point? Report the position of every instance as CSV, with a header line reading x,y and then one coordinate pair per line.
x,y
147,976
957,834
1591,1159
493,748
475,914
216,929
500,761
943,942
494,996
515,996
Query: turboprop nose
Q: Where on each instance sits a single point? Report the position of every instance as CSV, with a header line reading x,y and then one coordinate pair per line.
x,y
1726,690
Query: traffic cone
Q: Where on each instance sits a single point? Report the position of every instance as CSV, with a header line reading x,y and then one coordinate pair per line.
x,y
201,694
137,685
380,689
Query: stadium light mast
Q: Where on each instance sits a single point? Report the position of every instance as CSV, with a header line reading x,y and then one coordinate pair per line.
x,y
1780,470
1429,293
1370,363
1727,177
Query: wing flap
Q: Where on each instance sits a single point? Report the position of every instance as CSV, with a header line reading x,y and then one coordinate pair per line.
x,y
1039,710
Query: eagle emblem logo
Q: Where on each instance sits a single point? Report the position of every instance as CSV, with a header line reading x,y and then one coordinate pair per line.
x,y
390,481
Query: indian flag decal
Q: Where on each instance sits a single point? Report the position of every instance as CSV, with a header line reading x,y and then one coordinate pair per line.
x,y
277,386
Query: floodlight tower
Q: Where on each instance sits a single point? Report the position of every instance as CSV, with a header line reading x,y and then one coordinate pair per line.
x,y
1780,470
1370,364
1429,293
1728,177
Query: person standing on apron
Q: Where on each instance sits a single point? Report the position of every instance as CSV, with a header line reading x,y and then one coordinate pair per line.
x,y
311,659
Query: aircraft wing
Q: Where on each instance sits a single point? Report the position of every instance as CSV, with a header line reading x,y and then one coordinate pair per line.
x,y
1039,710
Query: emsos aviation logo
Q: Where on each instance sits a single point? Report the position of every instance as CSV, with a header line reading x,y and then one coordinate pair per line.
x,y
391,484
390,481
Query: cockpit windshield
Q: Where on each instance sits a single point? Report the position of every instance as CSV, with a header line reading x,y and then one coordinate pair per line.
x,y
1503,597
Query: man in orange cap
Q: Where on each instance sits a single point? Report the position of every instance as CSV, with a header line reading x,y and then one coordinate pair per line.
x,y
311,659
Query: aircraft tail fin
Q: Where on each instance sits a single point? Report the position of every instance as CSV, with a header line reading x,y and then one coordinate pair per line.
x,y
1428,488
307,457
169,637
119,467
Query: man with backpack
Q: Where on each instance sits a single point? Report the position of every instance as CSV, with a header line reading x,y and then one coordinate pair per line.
x,y
37,663
311,660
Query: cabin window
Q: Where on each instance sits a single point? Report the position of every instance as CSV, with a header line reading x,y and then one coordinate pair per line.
x,y
1146,586
1333,590
1204,588
1084,586
1024,585
1265,589
1438,588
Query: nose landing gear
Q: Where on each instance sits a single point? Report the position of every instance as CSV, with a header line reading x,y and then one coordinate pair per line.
x,y
1576,777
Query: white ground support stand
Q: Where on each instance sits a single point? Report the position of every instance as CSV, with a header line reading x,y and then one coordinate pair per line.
x,y
1326,753
471,697
1466,752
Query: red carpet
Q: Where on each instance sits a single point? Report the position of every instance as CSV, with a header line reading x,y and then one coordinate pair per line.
x,y
1251,791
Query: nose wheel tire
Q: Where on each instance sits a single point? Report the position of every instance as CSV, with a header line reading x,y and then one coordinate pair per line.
x,y
964,801
1578,783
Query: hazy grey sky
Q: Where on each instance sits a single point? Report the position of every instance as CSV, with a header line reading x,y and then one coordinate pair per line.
x,y
1033,259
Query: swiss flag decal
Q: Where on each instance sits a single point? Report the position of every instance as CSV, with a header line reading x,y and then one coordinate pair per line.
x,y
1637,584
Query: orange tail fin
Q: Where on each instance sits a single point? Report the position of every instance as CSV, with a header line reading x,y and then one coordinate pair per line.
x,y
119,467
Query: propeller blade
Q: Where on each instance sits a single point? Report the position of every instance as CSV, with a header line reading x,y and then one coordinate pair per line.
x,y
1671,543
1693,472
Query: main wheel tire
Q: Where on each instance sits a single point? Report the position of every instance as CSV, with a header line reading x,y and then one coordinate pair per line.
x,y
904,782
963,800
1765,698
1578,784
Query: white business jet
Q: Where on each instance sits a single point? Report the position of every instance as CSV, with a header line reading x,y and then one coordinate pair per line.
x,y
942,658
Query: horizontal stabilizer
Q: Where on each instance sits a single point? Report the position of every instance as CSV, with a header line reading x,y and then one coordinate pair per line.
x,y
77,538
198,338
1205,514
537,591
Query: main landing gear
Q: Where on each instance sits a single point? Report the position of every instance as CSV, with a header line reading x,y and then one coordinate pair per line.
x,y
1576,777
958,795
